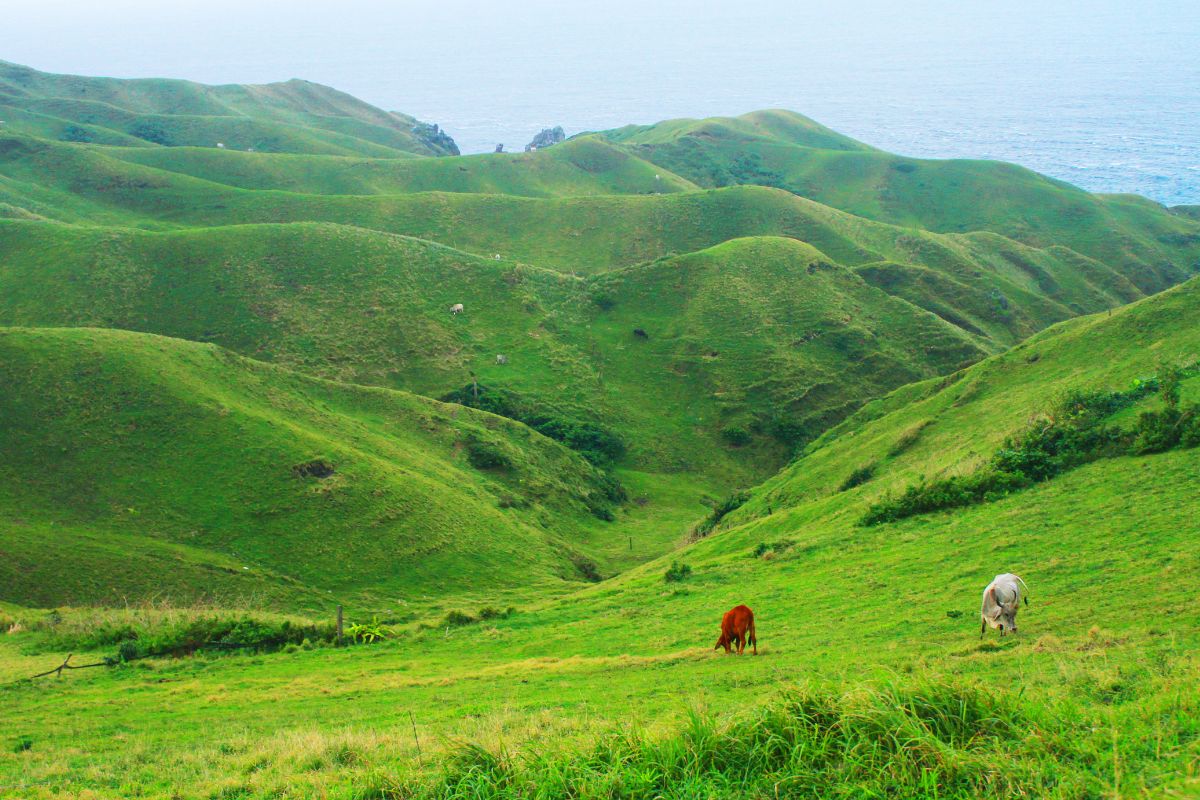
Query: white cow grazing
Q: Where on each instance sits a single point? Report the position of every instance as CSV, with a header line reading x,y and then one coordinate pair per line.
x,y
457,308
1001,600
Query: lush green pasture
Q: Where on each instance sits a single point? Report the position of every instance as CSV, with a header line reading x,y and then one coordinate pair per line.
x,y
140,466
220,374
1096,696
745,354
840,611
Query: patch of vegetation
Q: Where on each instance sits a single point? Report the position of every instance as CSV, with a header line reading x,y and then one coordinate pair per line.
x,y
365,632
587,568
677,572
457,619
858,477
151,632
769,550
594,442
942,740
484,454
726,506
736,435
1071,433
908,437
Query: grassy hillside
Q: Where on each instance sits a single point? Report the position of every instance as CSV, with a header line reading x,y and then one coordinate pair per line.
x,y
296,116
871,635
750,346
594,233
947,196
582,166
137,466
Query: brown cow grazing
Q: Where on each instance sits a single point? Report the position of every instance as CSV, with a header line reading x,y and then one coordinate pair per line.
x,y
737,626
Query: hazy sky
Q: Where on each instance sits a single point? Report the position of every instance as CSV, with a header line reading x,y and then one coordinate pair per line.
x,y
1097,91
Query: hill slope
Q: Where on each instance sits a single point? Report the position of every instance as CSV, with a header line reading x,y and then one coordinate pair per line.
x,y
296,116
581,166
745,350
947,196
844,614
136,466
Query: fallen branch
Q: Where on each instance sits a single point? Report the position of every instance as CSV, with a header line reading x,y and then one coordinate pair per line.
x,y
66,664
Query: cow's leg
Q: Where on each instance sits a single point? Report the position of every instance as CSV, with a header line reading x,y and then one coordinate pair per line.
x,y
982,628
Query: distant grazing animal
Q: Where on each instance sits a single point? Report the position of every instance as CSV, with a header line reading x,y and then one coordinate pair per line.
x,y
1001,601
641,334
501,359
457,308
737,626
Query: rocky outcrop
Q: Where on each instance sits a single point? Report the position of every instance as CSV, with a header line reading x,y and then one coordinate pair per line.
x,y
437,139
548,137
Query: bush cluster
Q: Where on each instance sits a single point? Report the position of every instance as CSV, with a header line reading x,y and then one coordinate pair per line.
x,y
858,477
486,455
597,444
184,634
677,572
726,506
457,619
1073,433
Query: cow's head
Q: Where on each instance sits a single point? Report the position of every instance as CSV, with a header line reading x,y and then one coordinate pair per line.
x,y
723,641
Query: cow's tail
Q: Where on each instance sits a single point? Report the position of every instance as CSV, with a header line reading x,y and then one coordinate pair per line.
x,y
1025,596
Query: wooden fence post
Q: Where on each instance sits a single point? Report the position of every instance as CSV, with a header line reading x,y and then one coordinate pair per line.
x,y
339,627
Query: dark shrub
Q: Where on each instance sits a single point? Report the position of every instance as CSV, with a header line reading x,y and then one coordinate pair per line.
x,y
736,435
587,568
151,131
729,504
458,619
74,133
486,455
677,572
858,477
597,444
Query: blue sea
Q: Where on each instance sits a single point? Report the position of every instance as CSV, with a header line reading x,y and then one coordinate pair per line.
x,y
1103,93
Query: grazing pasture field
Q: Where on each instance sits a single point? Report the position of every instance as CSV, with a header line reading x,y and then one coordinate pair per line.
x,y
535,421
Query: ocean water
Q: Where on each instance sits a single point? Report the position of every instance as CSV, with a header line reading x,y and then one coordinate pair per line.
x,y
1102,93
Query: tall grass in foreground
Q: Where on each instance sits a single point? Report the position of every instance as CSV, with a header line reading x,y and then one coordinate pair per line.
x,y
931,741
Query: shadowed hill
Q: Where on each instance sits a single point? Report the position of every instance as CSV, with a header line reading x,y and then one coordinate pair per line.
x,y
296,116
136,466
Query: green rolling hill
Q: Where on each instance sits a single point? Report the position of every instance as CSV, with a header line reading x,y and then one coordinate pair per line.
x,y
746,350
698,298
292,117
139,466
870,633
578,167
780,149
